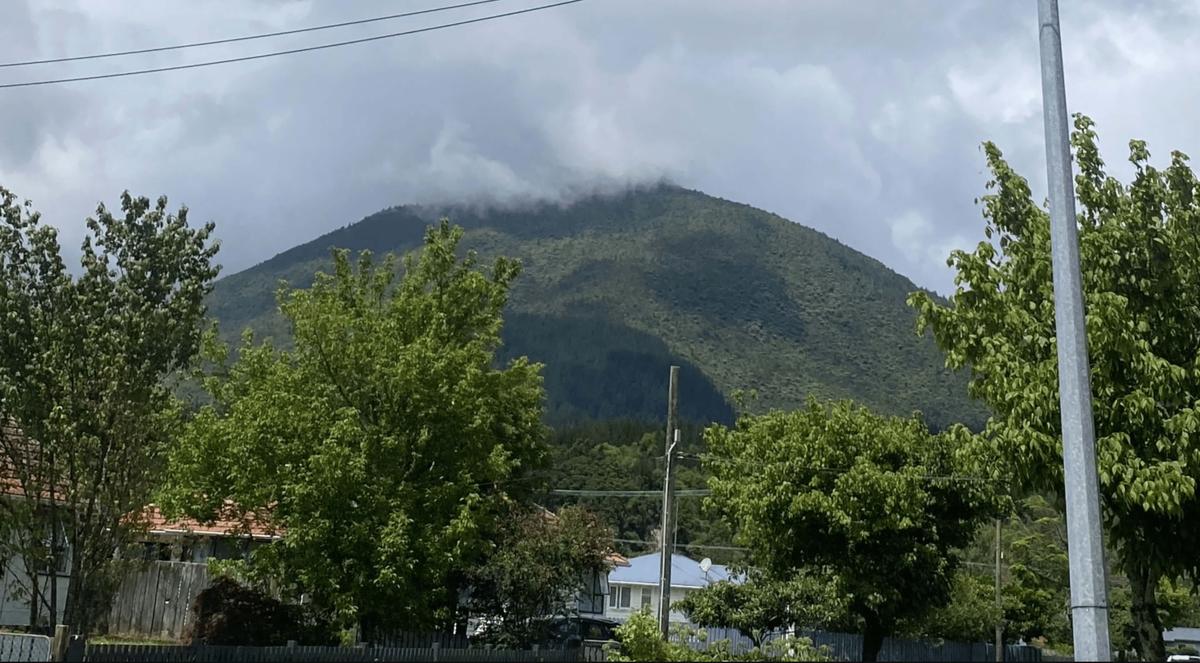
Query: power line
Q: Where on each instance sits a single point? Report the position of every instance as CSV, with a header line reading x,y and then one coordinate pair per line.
x,y
260,56
699,492
230,40
700,545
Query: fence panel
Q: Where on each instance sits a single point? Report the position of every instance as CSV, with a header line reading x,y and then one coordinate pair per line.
x,y
156,600
96,653
21,647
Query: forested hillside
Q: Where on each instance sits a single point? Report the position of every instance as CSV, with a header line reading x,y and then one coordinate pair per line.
x,y
616,288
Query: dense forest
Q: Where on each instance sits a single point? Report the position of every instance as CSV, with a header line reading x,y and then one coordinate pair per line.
x,y
616,288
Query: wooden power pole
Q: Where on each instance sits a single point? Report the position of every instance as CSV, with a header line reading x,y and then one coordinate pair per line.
x,y
667,540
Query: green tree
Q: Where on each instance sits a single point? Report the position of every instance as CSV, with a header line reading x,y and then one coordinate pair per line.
x,y
761,606
536,573
874,504
1140,258
84,413
970,615
384,447
641,641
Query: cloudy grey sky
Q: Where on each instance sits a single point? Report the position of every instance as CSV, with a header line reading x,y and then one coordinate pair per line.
x,y
862,119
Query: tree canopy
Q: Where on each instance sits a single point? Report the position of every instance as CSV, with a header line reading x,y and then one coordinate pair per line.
x,y
540,567
761,606
876,505
383,446
84,413
1140,260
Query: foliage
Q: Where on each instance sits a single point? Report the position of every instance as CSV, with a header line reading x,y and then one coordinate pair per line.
x,y
227,613
629,456
1140,259
84,413
1035,590
538,567
875,505
384,445
761,606
620,286
641,641
970,616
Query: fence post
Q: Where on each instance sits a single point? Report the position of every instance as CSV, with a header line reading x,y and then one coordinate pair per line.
x,y
58,645
436,647
536,654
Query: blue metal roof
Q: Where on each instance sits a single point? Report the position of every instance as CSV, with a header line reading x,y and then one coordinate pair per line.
x,y
685,572
1182,634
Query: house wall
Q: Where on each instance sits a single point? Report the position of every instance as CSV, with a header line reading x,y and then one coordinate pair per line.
x,y
15,611
620,613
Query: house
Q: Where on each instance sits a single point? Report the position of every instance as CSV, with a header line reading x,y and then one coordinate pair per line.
x,y
1182,637
186,540
634,587
161,541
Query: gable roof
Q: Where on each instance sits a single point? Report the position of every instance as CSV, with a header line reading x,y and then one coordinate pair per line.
x,y
685,572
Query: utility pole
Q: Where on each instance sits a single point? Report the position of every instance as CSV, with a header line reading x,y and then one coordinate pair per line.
x,y
1085,542
999,604
667,541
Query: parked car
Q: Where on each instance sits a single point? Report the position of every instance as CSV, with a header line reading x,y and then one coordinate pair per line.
x,y
570,632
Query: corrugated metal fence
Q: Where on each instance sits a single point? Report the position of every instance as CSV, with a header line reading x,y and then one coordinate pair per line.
x,y
21,647
848,647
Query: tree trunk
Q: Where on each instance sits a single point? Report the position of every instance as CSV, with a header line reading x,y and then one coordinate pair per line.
x,y
1144,608
872,637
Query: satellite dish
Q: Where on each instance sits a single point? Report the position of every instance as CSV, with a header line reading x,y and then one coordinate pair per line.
x,y
705,564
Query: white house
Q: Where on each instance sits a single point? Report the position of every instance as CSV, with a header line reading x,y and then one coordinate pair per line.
x,y
635,587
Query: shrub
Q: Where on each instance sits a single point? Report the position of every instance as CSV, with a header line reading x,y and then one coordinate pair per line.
x,y
640,641
227,613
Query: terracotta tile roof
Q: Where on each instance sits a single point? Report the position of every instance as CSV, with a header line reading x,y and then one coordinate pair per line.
x,y
13,440
228,525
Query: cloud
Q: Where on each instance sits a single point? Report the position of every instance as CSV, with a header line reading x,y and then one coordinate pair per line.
x,y
862,120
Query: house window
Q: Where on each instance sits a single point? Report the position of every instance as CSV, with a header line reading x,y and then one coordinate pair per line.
x,y
156,551
626,596
614,596
646,598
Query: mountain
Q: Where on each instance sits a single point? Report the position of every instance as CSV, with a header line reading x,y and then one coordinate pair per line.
x,y
616,288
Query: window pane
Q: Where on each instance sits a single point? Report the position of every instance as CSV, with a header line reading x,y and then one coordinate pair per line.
x,y
645,598
626,596
612,598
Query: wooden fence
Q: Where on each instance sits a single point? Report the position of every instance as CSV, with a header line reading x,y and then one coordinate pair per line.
x,y
156,601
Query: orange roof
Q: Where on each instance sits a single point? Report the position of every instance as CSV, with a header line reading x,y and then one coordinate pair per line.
x,y
15,441
617,559
227,525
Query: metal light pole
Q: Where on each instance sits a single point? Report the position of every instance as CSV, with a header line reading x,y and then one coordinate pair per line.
x,y
1085,542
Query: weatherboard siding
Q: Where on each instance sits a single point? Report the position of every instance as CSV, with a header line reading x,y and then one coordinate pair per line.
x,y
635,604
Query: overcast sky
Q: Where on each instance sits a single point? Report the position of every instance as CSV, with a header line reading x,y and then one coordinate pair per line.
x,y
862,119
